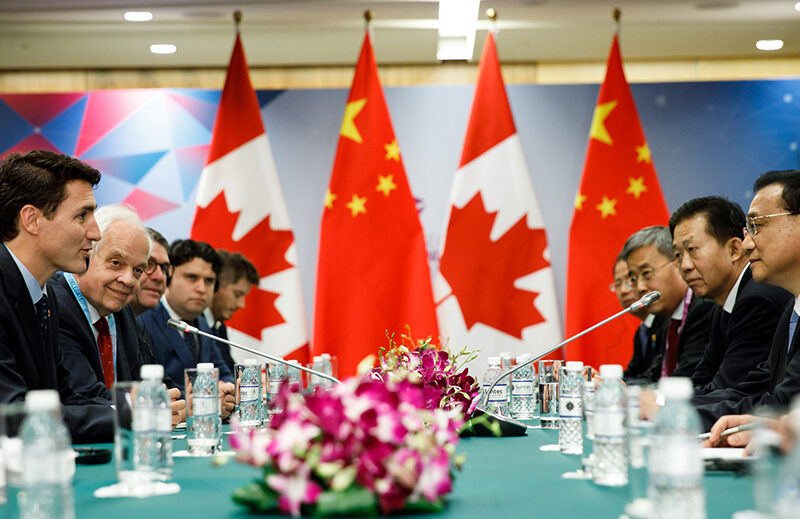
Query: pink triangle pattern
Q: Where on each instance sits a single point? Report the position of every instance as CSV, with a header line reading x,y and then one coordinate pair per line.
x,y
148,205
39,109
200,110
105,110
35,141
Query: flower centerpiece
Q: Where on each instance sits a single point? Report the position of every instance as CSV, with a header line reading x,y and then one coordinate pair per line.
x,y
364,447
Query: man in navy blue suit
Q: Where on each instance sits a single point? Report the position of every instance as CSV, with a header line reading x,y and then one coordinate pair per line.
x,y
189,291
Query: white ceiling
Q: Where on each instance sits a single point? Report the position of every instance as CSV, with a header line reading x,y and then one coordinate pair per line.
x,y
48,34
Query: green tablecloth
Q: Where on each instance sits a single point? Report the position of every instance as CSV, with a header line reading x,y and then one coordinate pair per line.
x,y
503,477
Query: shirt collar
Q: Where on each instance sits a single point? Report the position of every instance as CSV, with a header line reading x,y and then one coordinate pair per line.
x,y
797,305
34,289
731,300
170,311
648,321
94,315
210,319
678,313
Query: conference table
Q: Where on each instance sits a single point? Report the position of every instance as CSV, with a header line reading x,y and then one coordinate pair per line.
x,y
502,477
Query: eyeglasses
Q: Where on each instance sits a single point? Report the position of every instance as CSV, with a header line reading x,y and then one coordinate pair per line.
x,y
647,274
619,283
165,267
752,228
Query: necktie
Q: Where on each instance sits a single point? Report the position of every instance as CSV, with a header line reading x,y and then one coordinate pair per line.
x,y
106,349
643,332
792,327
671,350
191,341
44,316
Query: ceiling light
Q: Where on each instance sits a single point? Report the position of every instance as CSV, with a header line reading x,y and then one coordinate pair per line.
x,y
769,44
797,6
163,48
138,16
458,20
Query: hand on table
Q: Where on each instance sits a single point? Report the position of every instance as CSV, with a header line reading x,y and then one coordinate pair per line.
x,y
227,397
739,439
177,405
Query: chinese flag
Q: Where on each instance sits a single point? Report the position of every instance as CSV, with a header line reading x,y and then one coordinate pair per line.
x,y
495,290
372,274
619,194
240,208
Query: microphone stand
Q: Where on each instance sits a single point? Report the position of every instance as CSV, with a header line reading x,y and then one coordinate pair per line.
x,y
511,427
187,328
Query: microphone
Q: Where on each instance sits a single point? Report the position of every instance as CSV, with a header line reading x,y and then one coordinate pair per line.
x,y
511,427
187,328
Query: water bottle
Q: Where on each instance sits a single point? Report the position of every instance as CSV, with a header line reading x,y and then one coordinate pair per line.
x,y
587,460
522,390
314,380
497,401
610,459
277,374
295,377
787,504
250,395
570,409
675,466
206,422
47,460
152,426
505,365
639,505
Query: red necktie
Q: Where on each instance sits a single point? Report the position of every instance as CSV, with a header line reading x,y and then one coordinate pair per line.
x,y
671,350
106,351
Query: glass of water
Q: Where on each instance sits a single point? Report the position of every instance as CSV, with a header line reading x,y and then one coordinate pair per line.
x,y
548,393
248,394
203,422
132,482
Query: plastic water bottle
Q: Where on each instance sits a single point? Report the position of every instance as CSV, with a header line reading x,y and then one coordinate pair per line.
x,y
497,401
206,422
570,409
675,466
47,460
277,374
610,459
522,390
250,395
152,426
587,460
314,380
295,377
327,368
639,506
787,504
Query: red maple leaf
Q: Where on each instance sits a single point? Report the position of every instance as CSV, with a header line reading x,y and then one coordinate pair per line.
x,y
481,272
264,246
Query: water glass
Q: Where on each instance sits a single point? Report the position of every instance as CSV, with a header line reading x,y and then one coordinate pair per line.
x,y
248,394
276,374
203,422
11,417
132,482
548,393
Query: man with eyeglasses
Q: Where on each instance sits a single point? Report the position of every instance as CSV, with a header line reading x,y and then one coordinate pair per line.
x,y
707,237
681,340
773,245
153,282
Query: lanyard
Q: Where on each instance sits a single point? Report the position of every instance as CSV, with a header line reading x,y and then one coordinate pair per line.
x,y
112,324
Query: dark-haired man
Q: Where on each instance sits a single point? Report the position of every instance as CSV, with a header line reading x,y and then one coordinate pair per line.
x,y
707,238
237,276
153,282
46,224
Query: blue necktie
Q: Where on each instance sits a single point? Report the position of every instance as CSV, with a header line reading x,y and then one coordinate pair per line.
x,y
644,332
44,316
792,327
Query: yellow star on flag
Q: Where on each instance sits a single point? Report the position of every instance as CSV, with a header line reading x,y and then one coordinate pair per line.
x,y
599,130
349,128
636,187
386,184
579,200
358,205
606,207
329,198
643,153
392,151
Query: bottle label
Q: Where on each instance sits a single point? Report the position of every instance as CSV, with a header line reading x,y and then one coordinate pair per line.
x,y
164,421
248,393
204,405
522,388
498,393
36,470
143,420
570,406
609,423
676,457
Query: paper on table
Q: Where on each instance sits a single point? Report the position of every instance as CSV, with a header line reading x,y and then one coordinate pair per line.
x,y
725,453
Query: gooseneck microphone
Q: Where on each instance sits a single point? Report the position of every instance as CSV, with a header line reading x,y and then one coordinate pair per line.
x,y
187,328
511,427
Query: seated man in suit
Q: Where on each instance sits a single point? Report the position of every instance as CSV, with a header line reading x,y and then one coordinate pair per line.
x,y
682,339
237,276
707,237
46,225
97,330
189,290
773,234
153,282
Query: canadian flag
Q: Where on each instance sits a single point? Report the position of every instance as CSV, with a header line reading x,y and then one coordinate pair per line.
x,y
495,289
240,208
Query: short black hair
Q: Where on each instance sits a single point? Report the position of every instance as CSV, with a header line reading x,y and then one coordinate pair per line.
x,y
235,267
184,251
38,178
158,238
724,219
789,179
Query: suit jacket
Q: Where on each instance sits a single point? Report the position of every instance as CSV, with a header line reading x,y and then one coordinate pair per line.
x,y
691,342
171,351
29,362
740,341
224,350
81,355
773,383
643,352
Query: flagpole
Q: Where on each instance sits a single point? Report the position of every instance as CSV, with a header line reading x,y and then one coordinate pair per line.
x,y
616,14
369,14
237,19
491,13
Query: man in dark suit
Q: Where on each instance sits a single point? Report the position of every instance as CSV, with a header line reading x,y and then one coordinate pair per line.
x,y
46,224
153,282
237,276
681,340
97,330
773,235
707,237
189,290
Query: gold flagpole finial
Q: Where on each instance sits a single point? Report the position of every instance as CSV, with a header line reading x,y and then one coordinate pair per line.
x,y
237,18
616,14
491,14
369,14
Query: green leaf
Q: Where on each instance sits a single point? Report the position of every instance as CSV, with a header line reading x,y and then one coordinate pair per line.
x,y
424,506
354,501
256,496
